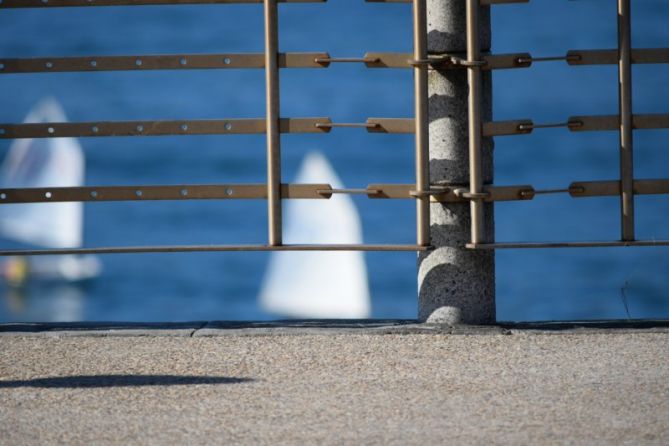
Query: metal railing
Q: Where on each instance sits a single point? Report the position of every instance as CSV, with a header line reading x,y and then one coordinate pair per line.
x,y
626,187
274,191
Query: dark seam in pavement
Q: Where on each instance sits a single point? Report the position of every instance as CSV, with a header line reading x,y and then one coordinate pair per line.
x,y
195,330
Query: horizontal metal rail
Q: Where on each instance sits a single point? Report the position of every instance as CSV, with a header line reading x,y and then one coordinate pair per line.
x,y
523,126
599,57
10,4
246,191
541,245
194,127
437,193
576,124
610,57
158,128
529,59
442,61
450,194
374,125
239,61
611,188
327,60
207,248
156,62
611,122
149,192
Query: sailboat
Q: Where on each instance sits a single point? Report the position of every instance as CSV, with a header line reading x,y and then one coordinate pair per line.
x,y
318,284
48,162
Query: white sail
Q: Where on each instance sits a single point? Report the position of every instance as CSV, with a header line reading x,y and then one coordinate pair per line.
x,y
318,284
48,162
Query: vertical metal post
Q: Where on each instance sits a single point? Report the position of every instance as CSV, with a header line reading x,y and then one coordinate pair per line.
x,y
474,113
421,119
625,110
273,135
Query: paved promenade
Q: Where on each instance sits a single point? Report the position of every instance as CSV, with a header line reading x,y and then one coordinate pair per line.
x,y
321,383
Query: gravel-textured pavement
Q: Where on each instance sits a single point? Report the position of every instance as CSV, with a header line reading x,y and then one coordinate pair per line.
x,y
526,387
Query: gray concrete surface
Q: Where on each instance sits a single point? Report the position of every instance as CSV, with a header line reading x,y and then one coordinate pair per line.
x,y
334,383
455,284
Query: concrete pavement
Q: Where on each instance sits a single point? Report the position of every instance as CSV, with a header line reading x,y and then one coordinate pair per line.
x,y
333,383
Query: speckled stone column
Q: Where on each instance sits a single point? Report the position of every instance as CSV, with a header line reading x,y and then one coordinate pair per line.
x,y
455,285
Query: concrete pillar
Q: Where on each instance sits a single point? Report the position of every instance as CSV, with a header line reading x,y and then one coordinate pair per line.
x,y
455,285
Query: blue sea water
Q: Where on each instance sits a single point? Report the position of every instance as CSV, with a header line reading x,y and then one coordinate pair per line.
x,y
531,284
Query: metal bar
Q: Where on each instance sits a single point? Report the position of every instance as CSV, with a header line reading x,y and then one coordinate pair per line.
x,y
576,124
388,60
610,57
531,59
443,194
537,245
7,4
474,115
611,122
450,194
208,248
482,2
441,61
525,126
445,61
581,189
550,125
625,113
273,113
421,123
331,125
327,60
505,61
502,128
374,125
156,62
329,192
158,128
391,125
230,61
147,192
551,191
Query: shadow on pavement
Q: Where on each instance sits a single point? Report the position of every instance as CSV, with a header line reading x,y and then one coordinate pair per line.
x,y
86,381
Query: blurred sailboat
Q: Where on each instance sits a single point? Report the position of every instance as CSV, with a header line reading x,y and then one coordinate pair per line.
x,y
318,284
47,162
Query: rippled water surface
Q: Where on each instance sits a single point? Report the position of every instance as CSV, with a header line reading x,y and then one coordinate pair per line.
x,y
531,285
